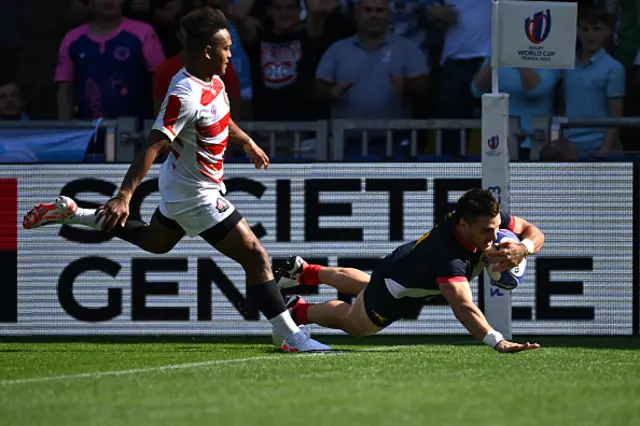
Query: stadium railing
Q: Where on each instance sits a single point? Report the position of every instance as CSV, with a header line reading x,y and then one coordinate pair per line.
x,y
548,128
316,150
341,128
324,140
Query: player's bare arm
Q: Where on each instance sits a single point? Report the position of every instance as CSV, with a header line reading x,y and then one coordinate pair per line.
x,y
116,210
256,154
460,300
511,253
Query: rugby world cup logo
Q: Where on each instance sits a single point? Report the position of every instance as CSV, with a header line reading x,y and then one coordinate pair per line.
x,y
538,27
493,142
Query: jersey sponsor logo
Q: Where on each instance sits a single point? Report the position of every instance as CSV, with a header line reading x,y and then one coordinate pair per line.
x,y
379,319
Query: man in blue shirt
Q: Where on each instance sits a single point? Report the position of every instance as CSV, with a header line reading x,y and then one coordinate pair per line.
x,y
530,93
595,87
374,74
467,41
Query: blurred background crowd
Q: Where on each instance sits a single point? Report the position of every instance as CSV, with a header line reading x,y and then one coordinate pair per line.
x,y
306,60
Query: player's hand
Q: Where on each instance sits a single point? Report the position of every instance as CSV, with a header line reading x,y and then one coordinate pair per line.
x,y
507,255
339,88
115,213
256,154
398,82
505,346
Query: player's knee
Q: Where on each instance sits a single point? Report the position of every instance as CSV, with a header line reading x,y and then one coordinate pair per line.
x,y
354,329
256,256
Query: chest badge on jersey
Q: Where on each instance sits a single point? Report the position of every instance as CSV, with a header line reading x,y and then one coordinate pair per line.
x,y
122,53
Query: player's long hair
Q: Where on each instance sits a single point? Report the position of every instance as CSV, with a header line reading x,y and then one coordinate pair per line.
x,y
475,203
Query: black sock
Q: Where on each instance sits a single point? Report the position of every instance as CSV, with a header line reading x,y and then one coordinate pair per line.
x,y
130,232
267,298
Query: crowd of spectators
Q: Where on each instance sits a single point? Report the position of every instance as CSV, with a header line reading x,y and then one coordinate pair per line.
x,y
302,60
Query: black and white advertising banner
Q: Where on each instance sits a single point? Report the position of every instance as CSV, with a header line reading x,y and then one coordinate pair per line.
x,y
70,280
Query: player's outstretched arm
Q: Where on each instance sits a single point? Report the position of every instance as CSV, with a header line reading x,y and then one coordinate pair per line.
x,y
116,210
459,297
256,154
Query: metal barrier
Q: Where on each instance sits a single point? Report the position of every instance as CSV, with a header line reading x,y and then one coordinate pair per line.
x,y
340,127
111,126
548,128
124,136
319,128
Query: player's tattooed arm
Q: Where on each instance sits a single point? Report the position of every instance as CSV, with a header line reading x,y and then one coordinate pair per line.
x,y
528,232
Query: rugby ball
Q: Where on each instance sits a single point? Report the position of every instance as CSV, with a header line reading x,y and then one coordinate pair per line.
x,y
510,279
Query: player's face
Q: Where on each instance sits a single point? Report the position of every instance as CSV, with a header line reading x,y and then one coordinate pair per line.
x,y
284,13
592,35
483,232
220,52
108,8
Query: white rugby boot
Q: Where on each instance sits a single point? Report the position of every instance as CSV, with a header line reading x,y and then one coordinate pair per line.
x,y
291,274
290,302
302,342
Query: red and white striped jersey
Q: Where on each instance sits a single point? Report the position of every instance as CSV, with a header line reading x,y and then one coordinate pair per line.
x,y
195,117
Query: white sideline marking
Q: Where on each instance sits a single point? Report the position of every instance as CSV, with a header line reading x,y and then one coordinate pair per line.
x,y
172,367
140,370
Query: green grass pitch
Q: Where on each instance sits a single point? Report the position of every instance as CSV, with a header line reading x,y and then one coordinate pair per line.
x,y
383,381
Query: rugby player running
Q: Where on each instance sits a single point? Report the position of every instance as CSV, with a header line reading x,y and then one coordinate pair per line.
x,y
194,123
442,261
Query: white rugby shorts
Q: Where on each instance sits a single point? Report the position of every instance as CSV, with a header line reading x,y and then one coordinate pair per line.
x,y
200,213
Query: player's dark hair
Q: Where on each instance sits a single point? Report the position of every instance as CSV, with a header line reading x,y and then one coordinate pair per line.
x,y
201,25
592,14
475,203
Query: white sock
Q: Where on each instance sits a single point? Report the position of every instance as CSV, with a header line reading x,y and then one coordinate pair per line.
x,y
284,325
86,217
